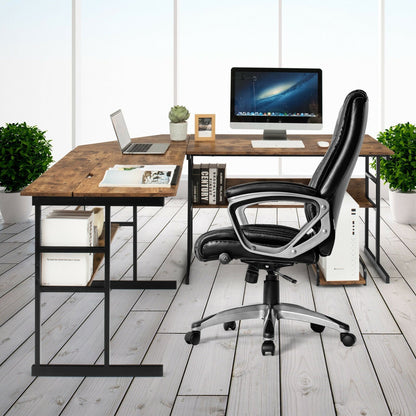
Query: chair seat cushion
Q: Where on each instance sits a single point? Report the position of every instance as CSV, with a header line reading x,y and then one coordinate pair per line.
x,y
210,245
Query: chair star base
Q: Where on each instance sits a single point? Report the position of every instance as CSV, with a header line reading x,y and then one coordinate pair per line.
x,y
270,311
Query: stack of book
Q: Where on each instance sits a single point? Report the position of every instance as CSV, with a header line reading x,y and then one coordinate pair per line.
x,y
67,228
208,181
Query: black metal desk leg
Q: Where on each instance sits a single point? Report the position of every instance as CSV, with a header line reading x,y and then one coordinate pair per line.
x,y
380,269
367,210
378,209
134,243
38,214
107,254
374,258
190,219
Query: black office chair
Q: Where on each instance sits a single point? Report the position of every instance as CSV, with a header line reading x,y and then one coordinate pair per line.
x,y
270,247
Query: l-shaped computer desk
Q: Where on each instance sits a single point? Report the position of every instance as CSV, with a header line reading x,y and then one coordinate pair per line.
x,y
74,181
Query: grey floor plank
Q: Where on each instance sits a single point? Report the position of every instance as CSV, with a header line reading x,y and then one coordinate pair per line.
x,y
17,274
372,315
20,252
16,299
5,266
304,375
401,300
130,343
46,397
21,326
5,236
121,262
190,300
24,236
156,224
97,396
396,368
353,380
200,406
18,228
210,365
87,343
15,375
8,252
255,383
156,395
160,248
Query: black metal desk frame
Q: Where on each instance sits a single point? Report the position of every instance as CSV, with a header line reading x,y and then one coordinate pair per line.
x,y
104,286
373,258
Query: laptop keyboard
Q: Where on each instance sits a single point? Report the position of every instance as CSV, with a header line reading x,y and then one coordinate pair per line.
x,y
139,147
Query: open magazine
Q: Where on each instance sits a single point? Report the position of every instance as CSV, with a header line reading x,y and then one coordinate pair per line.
x,y
141,175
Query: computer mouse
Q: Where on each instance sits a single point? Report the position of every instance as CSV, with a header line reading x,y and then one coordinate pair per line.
x,y
323,144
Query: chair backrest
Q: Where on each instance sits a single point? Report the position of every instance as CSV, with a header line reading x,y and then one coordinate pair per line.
x,y
333,174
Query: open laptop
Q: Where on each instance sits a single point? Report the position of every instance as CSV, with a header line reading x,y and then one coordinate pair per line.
x,y
127,146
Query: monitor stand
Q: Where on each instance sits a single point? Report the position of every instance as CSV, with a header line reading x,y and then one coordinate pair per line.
x,y
274,135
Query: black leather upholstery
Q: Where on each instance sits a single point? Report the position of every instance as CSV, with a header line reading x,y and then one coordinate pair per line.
x,y
333,174
211,244
329,182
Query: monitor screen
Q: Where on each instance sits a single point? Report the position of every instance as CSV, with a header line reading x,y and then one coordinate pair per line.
x,y
276,98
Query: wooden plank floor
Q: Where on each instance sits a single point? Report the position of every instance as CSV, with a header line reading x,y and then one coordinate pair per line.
x,y
313,374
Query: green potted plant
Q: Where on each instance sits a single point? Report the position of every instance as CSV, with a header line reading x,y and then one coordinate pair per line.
x,y
25,154
178,126
399,171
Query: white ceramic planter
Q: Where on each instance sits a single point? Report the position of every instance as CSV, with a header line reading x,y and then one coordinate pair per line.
x,y
403,206
14,207
178,131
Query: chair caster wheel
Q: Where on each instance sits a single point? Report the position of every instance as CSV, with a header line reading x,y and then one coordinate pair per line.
x,y
193,337
267,348
317,328
348,339
230,325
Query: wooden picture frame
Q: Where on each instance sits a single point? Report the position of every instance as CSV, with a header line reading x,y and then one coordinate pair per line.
x,y
204,127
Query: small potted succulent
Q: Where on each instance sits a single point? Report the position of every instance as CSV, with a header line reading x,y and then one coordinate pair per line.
x,y
178,126
25,154
399,171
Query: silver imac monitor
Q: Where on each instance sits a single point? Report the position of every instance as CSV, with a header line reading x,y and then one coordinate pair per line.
x,y
276,100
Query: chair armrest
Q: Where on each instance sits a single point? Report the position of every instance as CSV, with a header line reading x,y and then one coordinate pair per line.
x,y
260,192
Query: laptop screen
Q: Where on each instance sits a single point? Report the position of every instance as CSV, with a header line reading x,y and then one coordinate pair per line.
x,y
120,128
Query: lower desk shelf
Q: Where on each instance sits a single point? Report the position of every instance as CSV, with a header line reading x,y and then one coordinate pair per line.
x,y
356,189
323,282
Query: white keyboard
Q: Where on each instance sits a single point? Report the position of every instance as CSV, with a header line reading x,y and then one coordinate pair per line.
x,y
276,144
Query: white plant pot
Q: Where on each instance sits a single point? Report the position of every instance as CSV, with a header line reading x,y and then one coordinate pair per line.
x,y
403,206
14,207
178,131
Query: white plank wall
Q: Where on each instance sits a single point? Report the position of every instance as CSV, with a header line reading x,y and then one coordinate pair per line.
x,y
311,374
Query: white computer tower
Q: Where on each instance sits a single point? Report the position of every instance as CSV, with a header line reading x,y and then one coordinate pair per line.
x,y
344,262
